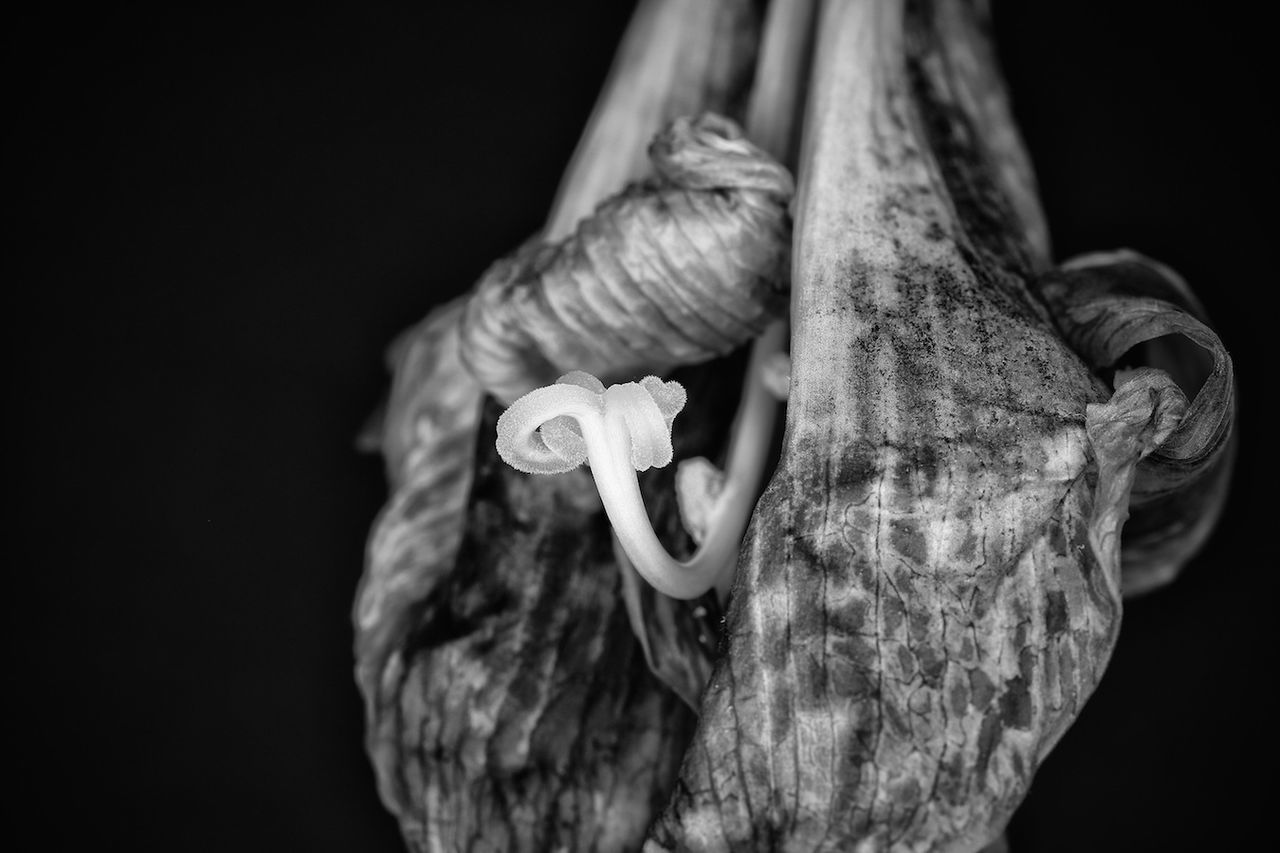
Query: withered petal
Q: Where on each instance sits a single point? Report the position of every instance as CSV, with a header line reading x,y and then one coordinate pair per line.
x,y
930,588
673,271
1121,305
503,683
429,439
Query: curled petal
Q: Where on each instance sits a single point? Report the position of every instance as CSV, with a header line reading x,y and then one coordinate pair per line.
x,y
674,271
1114,307
710,152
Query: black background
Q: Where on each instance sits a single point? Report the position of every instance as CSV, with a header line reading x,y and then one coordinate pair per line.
x,y
219,221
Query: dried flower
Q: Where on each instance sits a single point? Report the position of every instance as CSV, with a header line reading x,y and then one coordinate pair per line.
x,y
931,583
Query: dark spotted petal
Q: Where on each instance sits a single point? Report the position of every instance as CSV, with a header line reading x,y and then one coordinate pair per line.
x,y
930,588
